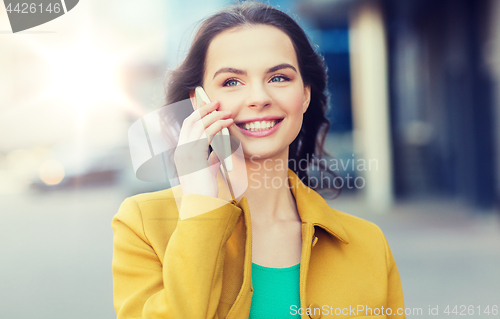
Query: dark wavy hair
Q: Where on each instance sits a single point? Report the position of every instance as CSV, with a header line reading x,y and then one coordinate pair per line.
x,y
308,146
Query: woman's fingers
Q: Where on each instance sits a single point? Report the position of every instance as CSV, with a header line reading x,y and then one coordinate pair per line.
x,y
191,128
216,127
199,129
205,108
196,167
204,123
187,126
214,117
201,112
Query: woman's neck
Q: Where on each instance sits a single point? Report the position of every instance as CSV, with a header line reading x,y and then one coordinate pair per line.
x,y
268,194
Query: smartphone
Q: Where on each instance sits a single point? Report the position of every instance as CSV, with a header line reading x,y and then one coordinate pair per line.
x,y
221,142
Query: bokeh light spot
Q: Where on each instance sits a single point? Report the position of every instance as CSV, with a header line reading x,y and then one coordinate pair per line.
x,y
51,172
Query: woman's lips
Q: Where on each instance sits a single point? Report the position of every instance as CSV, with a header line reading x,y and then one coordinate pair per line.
x,y
260,133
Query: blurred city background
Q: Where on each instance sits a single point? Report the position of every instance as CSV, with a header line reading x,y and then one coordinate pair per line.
x,y
414,84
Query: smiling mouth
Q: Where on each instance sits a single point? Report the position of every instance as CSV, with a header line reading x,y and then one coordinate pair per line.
x,y
259,125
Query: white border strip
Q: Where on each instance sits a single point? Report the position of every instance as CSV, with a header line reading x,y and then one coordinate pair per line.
x,y
64,6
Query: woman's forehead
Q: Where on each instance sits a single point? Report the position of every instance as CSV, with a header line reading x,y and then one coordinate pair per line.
x,y
250,48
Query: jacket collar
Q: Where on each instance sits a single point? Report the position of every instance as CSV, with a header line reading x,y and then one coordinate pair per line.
x,y
314,209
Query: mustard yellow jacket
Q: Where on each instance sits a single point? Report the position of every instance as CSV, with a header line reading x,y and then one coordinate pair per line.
x,y
200,267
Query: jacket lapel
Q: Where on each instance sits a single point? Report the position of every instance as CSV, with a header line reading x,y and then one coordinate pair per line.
x,y
314,209
237,289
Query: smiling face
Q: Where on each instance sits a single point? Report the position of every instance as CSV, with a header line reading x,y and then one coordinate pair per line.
x,y
253,71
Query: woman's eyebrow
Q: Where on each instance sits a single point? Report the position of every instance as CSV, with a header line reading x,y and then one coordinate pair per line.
x,y
230,70
280,67
241,72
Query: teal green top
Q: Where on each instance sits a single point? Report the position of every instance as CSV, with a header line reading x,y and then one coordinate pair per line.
x,y
275,290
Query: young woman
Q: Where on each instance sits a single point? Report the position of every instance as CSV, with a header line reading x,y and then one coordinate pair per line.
x,y
278,250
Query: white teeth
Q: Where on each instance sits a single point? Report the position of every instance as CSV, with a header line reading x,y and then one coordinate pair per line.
x,y
259,126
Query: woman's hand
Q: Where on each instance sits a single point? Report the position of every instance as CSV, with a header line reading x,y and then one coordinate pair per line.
x,y
196,169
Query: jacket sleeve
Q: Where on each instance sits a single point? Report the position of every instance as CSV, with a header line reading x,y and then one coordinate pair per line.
x,y
187,283
395,299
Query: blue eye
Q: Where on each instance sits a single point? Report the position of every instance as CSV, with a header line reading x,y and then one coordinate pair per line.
x,y
280,78
230,82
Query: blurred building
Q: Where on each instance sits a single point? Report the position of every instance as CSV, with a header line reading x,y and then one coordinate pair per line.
x,y
431,71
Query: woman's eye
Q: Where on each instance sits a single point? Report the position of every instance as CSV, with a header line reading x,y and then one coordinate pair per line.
x,y
231,82
280,78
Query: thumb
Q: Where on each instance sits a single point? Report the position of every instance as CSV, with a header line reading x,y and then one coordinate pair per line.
x,y
213,162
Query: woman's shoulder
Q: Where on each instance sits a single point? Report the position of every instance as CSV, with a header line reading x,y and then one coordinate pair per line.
x,y
148,206
161,197
350,221
360,230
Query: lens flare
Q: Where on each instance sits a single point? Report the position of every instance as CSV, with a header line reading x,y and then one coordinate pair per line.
x,y
51,172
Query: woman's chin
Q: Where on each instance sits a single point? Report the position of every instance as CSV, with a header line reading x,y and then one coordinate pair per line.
x,y
264,153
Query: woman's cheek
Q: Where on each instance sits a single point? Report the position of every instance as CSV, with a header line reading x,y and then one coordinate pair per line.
x,y
295,104
228,103
295,95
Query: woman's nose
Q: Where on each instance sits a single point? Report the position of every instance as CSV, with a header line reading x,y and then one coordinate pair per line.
x,y
258,96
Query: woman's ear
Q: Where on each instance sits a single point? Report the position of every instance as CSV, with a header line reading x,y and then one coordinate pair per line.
x,y
307,98
193,99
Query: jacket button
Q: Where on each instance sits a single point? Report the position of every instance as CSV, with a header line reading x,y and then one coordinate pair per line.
x,y
315,240
315,311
